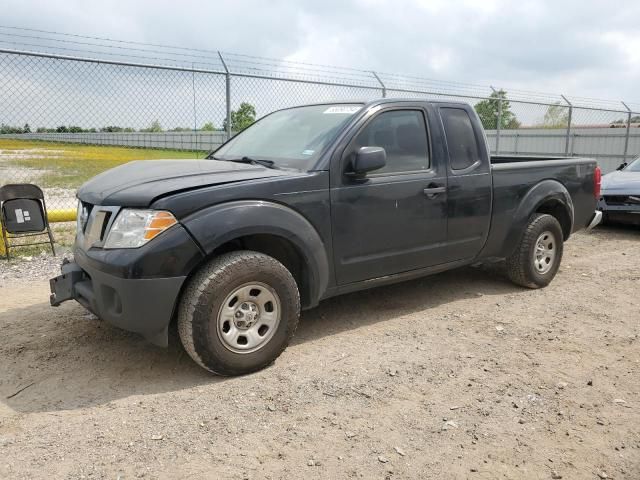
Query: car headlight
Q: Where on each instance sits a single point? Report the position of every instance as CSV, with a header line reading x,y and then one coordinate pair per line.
x,y
133,228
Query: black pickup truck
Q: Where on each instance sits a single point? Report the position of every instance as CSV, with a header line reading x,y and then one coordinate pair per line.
x,y
308,203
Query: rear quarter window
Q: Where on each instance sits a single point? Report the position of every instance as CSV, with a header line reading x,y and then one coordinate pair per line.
x,y
461,139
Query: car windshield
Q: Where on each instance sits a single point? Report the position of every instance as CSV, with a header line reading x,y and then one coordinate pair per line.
x,y
291,138
634,166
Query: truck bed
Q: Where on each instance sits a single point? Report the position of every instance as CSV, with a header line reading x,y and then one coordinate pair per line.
x,y
514,177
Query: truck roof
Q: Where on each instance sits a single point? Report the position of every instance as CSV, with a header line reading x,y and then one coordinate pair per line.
x,y
380,101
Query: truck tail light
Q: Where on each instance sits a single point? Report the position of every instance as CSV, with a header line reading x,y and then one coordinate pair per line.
x,y
597,182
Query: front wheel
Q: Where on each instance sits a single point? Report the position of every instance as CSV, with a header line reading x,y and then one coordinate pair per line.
x,y
537,258
238,313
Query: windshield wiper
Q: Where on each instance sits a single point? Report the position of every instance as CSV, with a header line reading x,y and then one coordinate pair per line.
x,y
252,161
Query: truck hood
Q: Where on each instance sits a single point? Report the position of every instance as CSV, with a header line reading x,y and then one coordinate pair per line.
x,y
622,182
139,183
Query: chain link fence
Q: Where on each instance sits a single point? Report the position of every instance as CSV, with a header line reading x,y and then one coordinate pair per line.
x,y
69,112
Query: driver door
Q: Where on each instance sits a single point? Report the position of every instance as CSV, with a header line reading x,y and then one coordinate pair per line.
x,y
388,223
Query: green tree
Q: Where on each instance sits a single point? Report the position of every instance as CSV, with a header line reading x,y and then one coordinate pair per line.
x,y
241,118
111,129
69,129
488,112
10,129
208,127
620,121
155,127
556,116
26,128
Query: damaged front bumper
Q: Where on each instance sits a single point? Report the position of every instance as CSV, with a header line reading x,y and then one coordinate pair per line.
x,y
143,306
621,208
133,289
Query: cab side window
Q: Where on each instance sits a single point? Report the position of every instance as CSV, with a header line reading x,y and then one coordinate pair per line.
x,y
403,135
461,139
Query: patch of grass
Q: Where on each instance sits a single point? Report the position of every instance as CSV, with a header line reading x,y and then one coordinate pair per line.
x,y
64,234
69,165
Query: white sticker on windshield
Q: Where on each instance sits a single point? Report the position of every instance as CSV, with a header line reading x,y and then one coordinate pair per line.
x,y
308,152
343,109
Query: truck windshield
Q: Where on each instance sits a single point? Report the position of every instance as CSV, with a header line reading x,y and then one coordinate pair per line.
x,y
291,138
634,166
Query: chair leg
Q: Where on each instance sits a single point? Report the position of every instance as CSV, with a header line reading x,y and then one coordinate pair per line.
x,y
6,242
51,241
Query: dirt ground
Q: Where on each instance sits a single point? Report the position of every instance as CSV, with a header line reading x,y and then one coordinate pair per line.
x,y
459,375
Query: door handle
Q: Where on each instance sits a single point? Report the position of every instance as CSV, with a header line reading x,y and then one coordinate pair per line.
x,y
433,191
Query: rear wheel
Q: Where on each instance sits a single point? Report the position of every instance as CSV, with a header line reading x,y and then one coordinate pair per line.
x,y
536,260
238,313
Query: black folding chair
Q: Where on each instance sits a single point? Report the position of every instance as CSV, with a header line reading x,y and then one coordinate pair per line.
x,y
23,213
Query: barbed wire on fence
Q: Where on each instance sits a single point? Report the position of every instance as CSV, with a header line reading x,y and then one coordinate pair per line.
x,y
188,57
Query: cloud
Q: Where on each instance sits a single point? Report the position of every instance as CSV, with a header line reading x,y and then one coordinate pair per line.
x,y
574,47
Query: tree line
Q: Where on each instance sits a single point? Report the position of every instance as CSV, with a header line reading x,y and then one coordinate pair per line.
x,y
556,116
241,118
155,126
633,119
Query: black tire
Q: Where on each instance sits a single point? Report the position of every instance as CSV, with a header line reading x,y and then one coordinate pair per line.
x,y
202,301
521,265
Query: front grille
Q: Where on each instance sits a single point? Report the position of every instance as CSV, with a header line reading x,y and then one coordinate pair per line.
x,y
622,199
97,227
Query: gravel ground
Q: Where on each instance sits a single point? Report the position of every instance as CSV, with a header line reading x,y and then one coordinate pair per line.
x,y
32,267
459,375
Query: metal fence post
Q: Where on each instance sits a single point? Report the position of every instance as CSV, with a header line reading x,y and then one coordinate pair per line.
x,y
384,89
228,93
626,136
498,119
195,111
569,118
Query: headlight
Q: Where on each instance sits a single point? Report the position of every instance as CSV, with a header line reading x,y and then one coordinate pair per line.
x,y
133,228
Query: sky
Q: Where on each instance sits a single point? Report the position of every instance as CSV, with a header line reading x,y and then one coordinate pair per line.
x,y
579,48
583,48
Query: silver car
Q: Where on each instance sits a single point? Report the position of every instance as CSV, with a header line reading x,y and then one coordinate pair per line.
x,y
620,194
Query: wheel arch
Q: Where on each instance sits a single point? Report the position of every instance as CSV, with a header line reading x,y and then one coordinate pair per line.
x,y
549,197
269,228
561,212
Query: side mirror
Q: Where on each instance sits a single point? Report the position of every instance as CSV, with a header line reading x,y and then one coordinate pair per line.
x,y
621,166
366,160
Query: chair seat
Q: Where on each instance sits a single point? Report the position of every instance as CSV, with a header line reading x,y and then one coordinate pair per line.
x,y
23,215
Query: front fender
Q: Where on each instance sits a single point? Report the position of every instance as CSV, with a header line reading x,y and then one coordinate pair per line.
x,y
540,193
219,224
